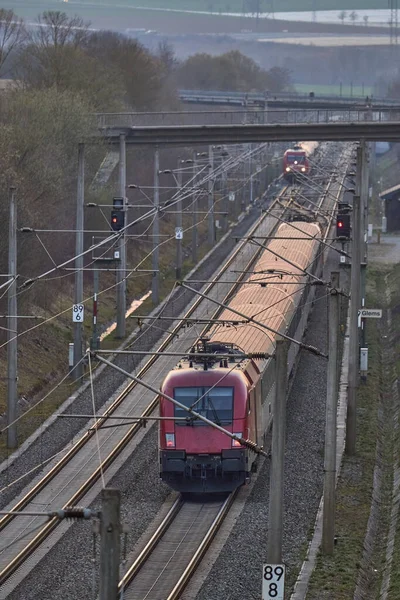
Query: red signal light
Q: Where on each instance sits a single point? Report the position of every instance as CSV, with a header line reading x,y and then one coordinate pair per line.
x,y
343,227
117,220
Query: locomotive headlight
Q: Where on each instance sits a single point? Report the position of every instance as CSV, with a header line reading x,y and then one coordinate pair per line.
x,y
303,169
287,169
235,443
170,440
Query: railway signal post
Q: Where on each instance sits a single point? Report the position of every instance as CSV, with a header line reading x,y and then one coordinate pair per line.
x,y
328,528
353,343
178,236
211,224
275,517
156,232
78,326
110,531
194,199
364,187
121,272
12,324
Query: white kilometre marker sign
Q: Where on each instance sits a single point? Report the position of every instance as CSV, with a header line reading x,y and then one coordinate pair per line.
x,y
273,582
78,313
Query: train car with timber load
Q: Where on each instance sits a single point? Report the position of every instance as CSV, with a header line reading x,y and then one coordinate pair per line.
x,y
237,392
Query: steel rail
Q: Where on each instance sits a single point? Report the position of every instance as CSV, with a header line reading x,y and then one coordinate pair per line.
x,y
168,522
50,525
195,560
201,550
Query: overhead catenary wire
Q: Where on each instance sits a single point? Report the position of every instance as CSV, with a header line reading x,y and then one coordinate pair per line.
x,y
29,281
112,286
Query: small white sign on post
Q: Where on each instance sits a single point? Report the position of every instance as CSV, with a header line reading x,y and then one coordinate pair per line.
x,y
273,582
364,359
78,313
370,313
231,196
178,233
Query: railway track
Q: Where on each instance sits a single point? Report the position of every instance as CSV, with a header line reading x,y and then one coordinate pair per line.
x,y
67,482
165,565
172,554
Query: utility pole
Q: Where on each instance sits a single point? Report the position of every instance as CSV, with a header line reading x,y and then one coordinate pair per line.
x,y
332,388
275,518
225,204
244,187
251,174
110,531
80,200
353,342
156,231
12,324
194,207
95,339
179,222
121,271
364,186
211,225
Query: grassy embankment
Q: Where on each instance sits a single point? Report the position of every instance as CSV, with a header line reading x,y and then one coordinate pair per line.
x,y
237,5
30,8
336,577
394,588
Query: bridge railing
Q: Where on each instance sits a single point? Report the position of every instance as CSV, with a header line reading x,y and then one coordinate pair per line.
x,y
236,117
299,96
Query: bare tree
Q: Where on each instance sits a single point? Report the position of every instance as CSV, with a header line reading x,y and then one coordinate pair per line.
x,y
365,19
353,16
165,53
54,51
12,35
342,16
56,29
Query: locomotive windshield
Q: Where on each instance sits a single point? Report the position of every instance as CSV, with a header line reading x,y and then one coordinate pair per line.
x,y
296,158
215,404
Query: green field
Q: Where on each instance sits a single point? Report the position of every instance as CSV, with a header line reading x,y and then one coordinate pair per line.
x,y
237,5
334,89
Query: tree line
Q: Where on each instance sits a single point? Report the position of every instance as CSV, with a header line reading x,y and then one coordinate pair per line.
x,y
63,73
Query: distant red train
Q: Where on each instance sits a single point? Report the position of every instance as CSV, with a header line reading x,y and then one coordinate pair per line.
x,y
295,163
237,393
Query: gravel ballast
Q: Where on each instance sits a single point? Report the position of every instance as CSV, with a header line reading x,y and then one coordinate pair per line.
x,y
236,573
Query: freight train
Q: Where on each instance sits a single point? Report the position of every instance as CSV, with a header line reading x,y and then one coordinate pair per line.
x,y
237,393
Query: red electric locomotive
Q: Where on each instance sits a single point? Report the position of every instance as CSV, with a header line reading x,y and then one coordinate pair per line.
x,y
237,392
295,163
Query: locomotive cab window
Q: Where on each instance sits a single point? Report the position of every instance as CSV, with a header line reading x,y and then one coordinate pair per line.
x,y
296,158
215,404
